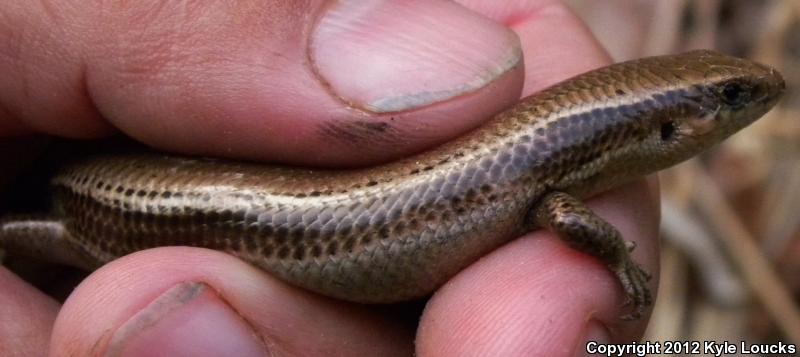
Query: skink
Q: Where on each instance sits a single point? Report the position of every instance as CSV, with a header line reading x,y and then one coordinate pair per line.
x,y
398,231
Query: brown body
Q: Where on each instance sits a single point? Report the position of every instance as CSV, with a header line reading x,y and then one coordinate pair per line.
x,y
398,231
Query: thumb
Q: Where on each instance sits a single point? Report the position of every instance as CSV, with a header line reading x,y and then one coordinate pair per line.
x,y
313,82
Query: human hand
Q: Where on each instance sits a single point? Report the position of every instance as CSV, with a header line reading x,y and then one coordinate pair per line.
x,y
301,83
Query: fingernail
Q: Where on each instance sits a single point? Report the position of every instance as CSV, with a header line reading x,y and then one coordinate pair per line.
x,y
389,56
597,339
187,320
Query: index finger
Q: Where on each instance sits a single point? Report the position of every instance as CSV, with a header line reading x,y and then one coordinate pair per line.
x,y
316,83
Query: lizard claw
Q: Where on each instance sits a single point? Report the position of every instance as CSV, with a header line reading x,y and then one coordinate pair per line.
x,y
634,281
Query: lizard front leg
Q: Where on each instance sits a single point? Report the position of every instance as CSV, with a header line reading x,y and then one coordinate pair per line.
x,y
583,230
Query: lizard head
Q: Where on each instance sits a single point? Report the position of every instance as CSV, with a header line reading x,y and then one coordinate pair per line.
x,y
718,96
659,111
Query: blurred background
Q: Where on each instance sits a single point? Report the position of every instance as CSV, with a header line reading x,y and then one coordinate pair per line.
x,y
731,218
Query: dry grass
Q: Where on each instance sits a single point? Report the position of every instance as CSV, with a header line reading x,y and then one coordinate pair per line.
x,y
730,268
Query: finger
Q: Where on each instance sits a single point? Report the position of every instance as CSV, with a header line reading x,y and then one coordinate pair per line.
x,y
42,63
326,83
536,296
27,317
191,302
553,39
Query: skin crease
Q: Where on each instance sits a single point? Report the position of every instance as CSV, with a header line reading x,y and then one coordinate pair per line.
x,y
77,63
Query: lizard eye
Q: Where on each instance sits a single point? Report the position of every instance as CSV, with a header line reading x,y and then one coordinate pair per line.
x,y
667,130
734,93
